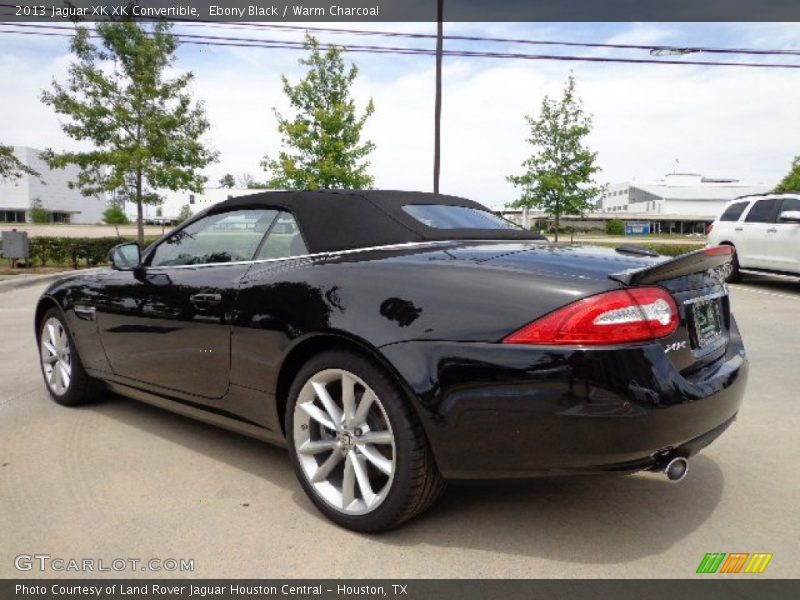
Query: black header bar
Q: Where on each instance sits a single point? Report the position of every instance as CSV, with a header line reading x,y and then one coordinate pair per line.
x,y
277,11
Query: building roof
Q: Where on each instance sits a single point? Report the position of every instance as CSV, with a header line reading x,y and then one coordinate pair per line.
x,y
332,220
704,191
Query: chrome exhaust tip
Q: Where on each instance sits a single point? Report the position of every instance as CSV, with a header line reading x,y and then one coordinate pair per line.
x,y
676,469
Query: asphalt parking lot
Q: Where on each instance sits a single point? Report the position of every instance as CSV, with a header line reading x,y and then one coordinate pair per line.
x,y
124,480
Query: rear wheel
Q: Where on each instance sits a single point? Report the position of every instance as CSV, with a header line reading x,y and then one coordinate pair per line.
x,y
357,446
63,373
735,275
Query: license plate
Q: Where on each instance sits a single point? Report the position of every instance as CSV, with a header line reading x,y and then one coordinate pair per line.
x,y
706,321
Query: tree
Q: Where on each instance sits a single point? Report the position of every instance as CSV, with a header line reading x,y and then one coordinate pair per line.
x,y
790,183
115,215
559,174
144,127
184,214
248,182
12,168
322,145
227,181
39,214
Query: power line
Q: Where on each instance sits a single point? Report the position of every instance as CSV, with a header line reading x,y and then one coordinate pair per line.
x,y
653,48
500,40
229,41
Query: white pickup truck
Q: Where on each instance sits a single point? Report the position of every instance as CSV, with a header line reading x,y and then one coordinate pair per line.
x,y
765,230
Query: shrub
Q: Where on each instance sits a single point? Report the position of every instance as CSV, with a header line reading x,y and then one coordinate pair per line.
x,y
615,227
38,213
114,215
65,251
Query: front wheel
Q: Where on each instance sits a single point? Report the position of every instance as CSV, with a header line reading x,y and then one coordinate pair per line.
x,y
62,370
357,446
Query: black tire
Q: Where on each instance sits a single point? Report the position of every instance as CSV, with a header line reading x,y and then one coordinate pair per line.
x,y
81,388
416,481
735,275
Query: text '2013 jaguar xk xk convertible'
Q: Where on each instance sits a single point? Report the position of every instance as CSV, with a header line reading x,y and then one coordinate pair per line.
x,y
395,340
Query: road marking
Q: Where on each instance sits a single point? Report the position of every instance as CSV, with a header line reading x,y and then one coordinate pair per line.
x,y
749,289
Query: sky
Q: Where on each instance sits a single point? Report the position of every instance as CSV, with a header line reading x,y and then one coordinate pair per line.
x,y
649,120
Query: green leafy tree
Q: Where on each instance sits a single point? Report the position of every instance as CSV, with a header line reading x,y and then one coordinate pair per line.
x,y
115,215
559,175
184,214
322,145
790,183
12,168
227,181
145,128
39,214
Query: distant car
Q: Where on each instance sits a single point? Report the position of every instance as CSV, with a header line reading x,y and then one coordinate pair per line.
x,y
764,230
394,340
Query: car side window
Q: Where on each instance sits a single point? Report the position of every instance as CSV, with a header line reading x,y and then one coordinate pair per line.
x,y
283,239
763,211
734,211
790,204
226,237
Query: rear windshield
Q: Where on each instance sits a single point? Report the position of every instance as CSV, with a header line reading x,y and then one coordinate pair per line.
x,y
734,211
444,216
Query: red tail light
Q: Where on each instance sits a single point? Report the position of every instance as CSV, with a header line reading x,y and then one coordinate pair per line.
x,y
616,317
709,228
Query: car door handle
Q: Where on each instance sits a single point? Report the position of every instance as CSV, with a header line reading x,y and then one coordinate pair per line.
x,y
206,299
772,230
739,229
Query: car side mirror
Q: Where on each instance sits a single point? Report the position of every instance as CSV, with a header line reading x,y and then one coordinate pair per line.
x,y
125,257
789,216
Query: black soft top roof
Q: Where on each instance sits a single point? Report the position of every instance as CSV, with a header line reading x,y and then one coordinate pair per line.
x,y
332,220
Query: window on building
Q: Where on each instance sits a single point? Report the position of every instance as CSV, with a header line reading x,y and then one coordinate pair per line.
x,y
191,198
12,216
763,211
734,211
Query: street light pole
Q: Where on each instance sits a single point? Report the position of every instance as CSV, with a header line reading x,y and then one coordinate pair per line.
x,y
437,127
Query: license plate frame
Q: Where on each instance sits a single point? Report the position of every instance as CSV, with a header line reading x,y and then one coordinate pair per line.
x,y
707,321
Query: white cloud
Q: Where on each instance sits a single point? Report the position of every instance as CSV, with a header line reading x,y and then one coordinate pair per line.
x,y
735,122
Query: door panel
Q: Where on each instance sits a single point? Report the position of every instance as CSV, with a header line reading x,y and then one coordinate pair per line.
x,y
751,241
783,242
170,327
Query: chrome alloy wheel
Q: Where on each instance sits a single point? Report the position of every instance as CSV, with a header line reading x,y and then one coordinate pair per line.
x,y
56,356
344,441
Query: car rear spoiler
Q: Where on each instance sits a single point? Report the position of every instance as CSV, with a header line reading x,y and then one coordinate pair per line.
x,y
712,257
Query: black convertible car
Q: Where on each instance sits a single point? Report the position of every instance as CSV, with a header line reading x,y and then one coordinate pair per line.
x,y
395,340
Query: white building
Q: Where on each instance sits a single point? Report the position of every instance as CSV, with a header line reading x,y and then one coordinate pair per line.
x,y
677,195
64,205
173,202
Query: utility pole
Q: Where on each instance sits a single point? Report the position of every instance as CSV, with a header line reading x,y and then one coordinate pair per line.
x,y
437,127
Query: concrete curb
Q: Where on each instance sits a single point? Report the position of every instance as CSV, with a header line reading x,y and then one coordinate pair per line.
x,y
22,281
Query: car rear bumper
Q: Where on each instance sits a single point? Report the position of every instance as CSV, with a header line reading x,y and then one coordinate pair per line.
x,y
497,411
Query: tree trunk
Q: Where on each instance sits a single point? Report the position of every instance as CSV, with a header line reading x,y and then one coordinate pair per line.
x,y
558,222
139,210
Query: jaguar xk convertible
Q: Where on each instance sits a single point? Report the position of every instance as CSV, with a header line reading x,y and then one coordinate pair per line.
x,y
396,340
